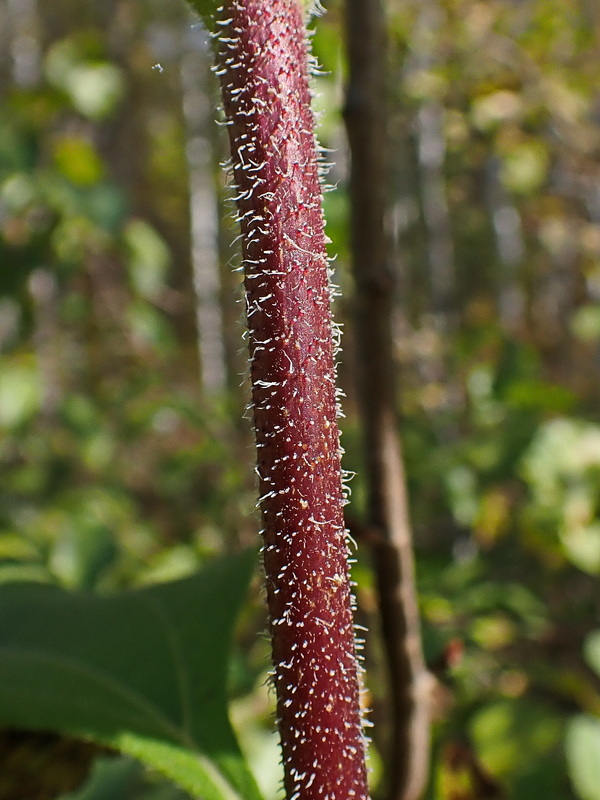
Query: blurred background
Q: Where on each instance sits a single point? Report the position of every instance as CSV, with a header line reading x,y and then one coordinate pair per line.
x,y
125,455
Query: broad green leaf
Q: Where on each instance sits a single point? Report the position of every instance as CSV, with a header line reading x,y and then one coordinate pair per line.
x,y
582,747
143,671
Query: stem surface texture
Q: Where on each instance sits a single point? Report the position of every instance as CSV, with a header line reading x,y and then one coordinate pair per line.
x,y
263,64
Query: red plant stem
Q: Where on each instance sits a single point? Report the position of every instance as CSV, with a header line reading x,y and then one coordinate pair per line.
x,y
263,62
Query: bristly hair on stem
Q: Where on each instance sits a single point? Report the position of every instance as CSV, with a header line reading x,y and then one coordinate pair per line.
x,y
263,64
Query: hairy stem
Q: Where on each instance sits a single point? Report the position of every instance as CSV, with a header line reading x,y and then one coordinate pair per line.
x,y
263,63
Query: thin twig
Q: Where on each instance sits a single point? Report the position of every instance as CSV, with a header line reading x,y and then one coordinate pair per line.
x,y
409,682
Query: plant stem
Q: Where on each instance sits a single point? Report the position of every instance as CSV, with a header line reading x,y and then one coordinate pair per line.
x,y
409,682
263,63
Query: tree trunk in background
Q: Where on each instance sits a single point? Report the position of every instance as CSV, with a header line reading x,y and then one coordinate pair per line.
x,y
510,248
431,145
199,115
409,682
21,34
5,35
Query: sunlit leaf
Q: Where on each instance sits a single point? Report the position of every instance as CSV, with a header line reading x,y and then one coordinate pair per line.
x,y
16,548
497,107
82,552
524,168
591,650
149,327
148,258
585,323
143,671
20,393
510,733
96,89
78,160
18,191
582,546
582,745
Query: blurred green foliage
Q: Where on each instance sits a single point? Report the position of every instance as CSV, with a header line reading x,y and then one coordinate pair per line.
x,y
117,467
91,359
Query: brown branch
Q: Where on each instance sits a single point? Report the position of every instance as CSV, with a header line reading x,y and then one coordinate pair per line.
x,y
409,682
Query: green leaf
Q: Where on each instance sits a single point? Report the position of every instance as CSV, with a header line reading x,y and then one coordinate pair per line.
x,y
143,671
110,777
95,89
591,650
582,747
20,392
149,258
207,10
78,160
585,322
508,734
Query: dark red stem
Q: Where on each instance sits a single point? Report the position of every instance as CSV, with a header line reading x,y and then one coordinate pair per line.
x,y
263,63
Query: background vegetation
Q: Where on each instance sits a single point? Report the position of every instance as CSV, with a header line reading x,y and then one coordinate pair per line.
x,y
124,457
